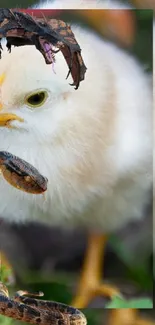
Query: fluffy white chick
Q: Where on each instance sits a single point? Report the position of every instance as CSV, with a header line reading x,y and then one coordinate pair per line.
x,y
93,144
82,4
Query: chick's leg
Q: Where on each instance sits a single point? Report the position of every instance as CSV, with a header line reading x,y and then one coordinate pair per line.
x,y
127,317
90,284
122,317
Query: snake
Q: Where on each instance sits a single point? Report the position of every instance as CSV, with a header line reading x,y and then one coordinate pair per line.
x,y
24,306
22,175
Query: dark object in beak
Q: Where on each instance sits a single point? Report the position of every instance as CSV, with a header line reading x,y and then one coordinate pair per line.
x,y
21,174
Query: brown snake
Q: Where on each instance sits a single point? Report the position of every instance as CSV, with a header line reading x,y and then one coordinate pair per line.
x,y
21,174
35,311
25,177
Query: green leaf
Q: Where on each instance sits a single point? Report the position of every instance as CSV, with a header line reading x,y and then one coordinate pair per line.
x,y
139,303
5,320
136,271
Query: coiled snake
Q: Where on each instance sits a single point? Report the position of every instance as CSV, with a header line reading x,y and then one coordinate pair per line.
x,y
36,311
23,176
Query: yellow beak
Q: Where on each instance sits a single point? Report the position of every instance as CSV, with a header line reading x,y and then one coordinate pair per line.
x,y
6,118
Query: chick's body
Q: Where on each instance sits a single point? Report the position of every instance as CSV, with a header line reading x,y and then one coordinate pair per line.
x,y
93,144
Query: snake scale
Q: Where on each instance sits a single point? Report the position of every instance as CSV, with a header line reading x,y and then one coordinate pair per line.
x,y
35,311
23,176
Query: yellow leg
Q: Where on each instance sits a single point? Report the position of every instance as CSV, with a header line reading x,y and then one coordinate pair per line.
x,y
144,322
127,317
90,285
4,263
122,317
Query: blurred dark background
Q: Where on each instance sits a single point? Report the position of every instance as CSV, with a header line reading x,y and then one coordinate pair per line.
x,y
50,259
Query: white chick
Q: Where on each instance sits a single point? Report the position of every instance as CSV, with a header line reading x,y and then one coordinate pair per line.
x,y
93,144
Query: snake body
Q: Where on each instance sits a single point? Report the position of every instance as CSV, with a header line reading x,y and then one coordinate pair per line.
x,y
35,311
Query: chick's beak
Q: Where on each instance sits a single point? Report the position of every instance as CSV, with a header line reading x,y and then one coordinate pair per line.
x,y
7,118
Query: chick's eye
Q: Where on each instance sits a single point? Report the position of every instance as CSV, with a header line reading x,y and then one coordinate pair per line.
x,y
36,99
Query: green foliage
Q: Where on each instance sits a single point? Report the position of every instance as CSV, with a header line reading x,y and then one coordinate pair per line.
x,y
142,303
59,290
4,273
137,271
5,320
